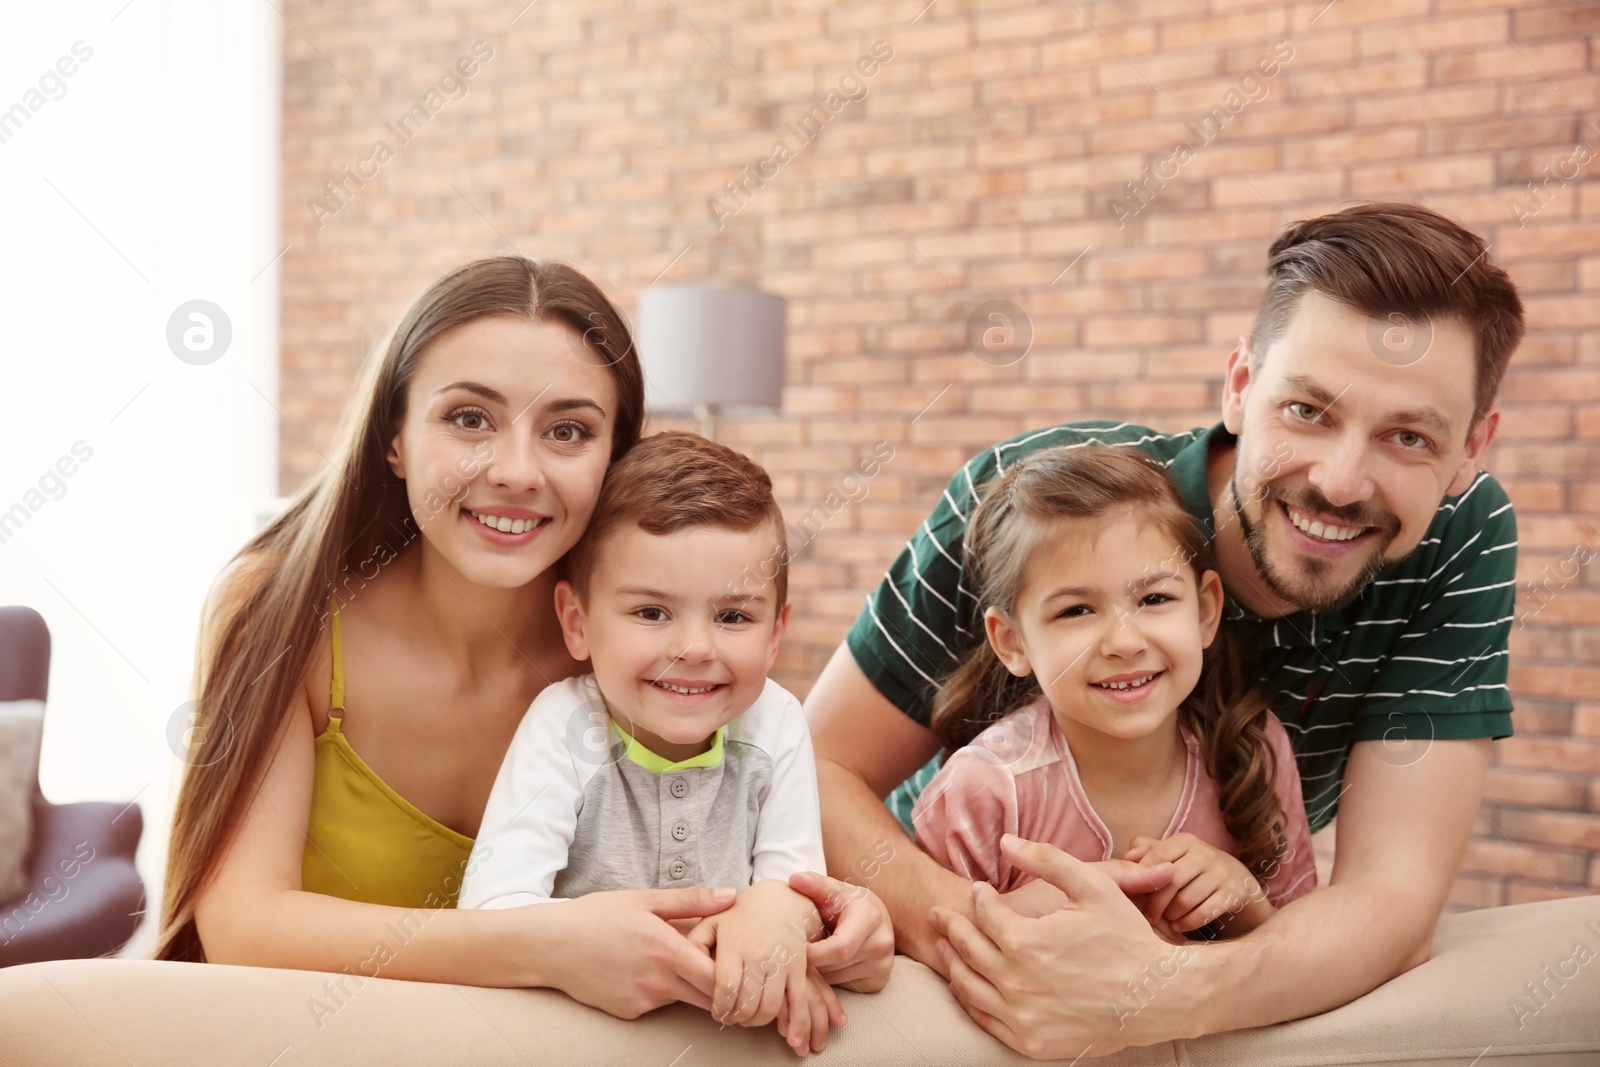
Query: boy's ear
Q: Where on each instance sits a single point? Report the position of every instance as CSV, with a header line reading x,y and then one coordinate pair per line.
x,y
1210,607
778,627
570,611
1006,642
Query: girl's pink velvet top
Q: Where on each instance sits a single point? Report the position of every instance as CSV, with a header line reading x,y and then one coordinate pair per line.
x,y
1019,777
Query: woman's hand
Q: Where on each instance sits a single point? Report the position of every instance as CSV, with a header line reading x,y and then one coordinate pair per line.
x,y
859,952
617,951
1207,884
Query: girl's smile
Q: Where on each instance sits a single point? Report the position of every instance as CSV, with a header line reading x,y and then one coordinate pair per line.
x,y
1129,688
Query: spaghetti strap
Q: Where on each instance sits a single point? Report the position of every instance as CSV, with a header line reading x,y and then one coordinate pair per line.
x,y
336,688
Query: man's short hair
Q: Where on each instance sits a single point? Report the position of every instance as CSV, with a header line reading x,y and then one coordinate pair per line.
x,y
1397,259
673,481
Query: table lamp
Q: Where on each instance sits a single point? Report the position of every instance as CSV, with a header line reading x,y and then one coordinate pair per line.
x,y
706,347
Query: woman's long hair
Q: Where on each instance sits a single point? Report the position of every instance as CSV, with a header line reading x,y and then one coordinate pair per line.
x,y
258,640
1030,504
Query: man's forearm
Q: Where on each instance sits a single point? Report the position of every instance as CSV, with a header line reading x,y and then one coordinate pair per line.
x,y
1320,952
866,846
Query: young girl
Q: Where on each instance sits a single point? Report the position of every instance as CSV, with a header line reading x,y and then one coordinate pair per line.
x,y
1128,728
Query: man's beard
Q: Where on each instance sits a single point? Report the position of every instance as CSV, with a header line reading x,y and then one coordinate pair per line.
x,y
1312,593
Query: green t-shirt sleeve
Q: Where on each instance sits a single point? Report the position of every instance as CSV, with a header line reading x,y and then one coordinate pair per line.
x,y
1446,677
919,622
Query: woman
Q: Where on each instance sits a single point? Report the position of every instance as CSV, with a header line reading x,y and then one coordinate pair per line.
x,y
365,660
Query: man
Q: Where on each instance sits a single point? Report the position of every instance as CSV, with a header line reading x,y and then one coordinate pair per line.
x,y
1369,569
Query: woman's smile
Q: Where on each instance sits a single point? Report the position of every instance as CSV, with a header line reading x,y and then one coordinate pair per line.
x,y
501,527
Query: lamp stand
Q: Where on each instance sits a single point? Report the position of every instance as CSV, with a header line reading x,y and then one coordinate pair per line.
x,y
707,414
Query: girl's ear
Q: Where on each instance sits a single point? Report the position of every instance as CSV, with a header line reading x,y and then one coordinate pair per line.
x,y
570,611
1210,607
1006,642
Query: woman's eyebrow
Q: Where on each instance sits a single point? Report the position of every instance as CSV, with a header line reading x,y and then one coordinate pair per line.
x,y
495,395
575,402
477,388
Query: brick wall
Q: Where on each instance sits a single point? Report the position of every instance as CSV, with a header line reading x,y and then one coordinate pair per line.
x,y
986,161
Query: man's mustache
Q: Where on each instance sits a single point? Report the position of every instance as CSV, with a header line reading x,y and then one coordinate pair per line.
x,y
1309,500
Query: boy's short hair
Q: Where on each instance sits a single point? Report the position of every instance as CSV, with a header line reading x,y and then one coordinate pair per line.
x,y
672,481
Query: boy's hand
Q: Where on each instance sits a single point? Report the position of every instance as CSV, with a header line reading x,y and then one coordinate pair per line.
x,y
823,1007
760,961
1207,884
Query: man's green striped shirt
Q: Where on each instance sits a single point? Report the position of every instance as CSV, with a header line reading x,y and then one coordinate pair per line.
x,y
1421,654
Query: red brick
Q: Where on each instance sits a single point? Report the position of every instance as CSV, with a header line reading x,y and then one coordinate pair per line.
x,y
1527,63
1476,891
1586,720
1535,789
1315,18
1574,20
1550,385
1565,829
1508,859
1361,146
1397,179
1366,80
1557,681
1553,238
1133,265
1491,134
1430,35
1251,27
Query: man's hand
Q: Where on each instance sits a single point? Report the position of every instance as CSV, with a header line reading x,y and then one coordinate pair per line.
x,y
1207,884
1038,897
1040,985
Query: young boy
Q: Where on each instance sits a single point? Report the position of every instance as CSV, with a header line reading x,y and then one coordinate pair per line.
x,y
677,762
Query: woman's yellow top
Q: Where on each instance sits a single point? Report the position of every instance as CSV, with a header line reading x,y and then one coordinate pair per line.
x,y
364,841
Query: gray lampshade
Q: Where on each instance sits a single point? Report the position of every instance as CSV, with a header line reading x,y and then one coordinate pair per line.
x,y
710,346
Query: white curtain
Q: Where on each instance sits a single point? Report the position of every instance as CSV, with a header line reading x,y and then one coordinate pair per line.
x,y
139,166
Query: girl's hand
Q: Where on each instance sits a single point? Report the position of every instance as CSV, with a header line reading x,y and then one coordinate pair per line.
x,y
822,1005
625,957
760,958
1207,884
859,953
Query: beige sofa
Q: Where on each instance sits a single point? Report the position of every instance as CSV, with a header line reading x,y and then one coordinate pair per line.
x,y
1456,1009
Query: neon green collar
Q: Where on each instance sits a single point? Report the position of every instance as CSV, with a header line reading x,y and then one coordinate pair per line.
x,y
647,759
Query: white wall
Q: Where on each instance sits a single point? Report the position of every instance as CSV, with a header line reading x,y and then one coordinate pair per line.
x,y
145,179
